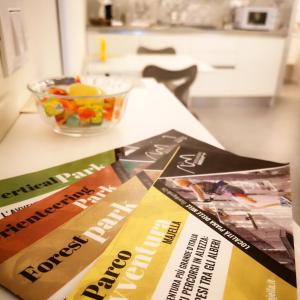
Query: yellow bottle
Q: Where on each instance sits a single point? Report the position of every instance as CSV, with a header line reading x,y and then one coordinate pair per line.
x,y
102,50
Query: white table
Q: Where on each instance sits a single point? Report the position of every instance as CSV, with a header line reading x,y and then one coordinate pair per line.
x,y
133,64
152,109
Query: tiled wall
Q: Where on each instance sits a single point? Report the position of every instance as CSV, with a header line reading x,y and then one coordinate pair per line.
x,y
205,13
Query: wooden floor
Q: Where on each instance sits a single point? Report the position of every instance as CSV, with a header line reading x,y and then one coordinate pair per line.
x,y
253,128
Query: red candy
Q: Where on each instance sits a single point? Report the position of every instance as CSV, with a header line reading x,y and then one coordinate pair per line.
x,y
57,91
77,79
85,113
68,104
108,113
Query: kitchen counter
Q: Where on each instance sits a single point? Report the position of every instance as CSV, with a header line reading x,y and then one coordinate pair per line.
x,y
162,29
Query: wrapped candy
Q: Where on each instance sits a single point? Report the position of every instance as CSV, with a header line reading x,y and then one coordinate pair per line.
x,y
52,107
83,106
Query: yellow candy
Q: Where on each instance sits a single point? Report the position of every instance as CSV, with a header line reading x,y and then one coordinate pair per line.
x,y
97,119
53,107
97,107
79,89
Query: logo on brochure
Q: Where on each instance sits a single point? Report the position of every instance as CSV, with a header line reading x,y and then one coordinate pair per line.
x,y
158,151
190,161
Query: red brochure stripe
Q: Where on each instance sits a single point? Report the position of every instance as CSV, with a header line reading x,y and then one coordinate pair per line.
x,y
22,229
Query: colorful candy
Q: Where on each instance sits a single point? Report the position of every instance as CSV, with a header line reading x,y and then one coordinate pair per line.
x,y
76,111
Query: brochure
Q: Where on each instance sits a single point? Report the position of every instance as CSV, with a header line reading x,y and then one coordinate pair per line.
x,y
44,216
44,247
21,191
213,226
29,237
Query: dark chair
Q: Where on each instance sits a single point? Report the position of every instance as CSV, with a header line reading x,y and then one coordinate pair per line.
x,y
144,50
178,82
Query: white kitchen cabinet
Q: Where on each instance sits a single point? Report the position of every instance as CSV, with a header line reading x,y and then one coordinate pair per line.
x,y
246,64
259,65
250,69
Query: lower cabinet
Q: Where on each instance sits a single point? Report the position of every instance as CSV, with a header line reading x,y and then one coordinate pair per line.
x,y
245,64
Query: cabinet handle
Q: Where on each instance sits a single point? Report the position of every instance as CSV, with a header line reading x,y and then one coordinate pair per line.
x,y
225,67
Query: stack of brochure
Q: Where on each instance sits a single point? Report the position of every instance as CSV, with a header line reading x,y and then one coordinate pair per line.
x,y
169,217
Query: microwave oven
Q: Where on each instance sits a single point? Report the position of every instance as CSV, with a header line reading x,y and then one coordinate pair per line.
x,y
256,18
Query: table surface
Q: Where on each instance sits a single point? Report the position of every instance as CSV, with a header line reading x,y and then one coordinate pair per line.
x,y
134,63
152,109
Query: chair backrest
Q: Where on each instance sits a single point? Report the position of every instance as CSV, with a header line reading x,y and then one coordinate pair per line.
x,y
144,50
178,81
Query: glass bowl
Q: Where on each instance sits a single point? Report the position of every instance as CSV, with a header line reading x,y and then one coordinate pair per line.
x,y
81,105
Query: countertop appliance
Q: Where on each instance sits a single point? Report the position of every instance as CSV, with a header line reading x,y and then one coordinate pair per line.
x,y
256,18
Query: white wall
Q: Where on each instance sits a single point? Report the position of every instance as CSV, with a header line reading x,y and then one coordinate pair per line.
x,y
43,59
72,16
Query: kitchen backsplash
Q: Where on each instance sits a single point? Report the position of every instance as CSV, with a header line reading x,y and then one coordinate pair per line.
x,y
217,14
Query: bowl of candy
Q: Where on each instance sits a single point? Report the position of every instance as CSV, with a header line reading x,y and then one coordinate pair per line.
x,y
81,105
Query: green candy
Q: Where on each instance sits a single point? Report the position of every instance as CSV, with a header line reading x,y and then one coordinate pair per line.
x,y
73,121
97,119
52,107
